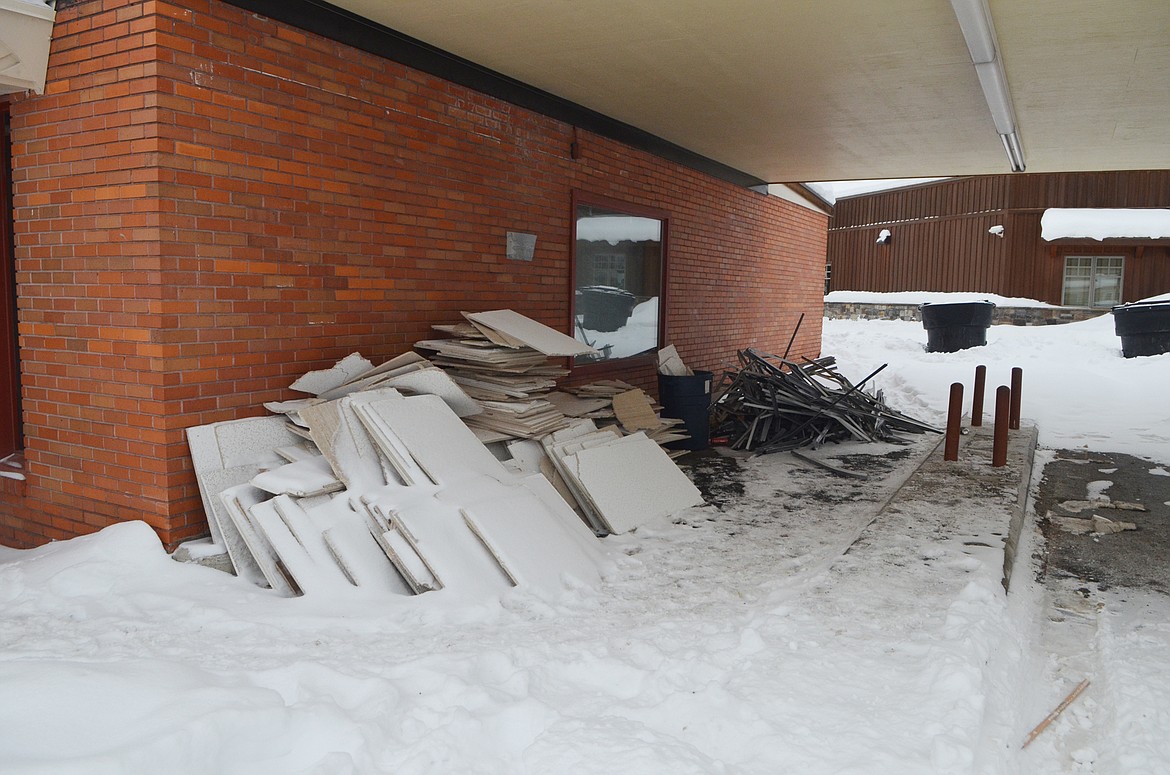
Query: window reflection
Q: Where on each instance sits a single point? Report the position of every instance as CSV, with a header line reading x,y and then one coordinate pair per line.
x,y
618,281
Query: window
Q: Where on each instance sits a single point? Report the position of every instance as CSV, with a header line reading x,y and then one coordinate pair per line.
x,y
828,277
1092,281
618,262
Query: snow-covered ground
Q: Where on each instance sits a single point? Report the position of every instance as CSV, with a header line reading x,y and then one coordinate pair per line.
x,y
729,639
933,297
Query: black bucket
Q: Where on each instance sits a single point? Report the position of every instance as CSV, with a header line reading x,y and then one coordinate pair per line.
x,y
1144,327
688,399
953,327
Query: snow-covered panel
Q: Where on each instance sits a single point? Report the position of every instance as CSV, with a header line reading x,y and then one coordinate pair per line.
x,y
632,481
1100,223
26,28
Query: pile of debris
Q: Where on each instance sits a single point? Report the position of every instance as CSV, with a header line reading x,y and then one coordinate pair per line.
x,y
772,404
407,477
504,360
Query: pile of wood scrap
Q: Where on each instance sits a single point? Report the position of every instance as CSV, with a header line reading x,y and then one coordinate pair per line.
x,y
379,481
772,404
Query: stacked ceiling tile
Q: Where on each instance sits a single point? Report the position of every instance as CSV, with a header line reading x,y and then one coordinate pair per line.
x,y
466,473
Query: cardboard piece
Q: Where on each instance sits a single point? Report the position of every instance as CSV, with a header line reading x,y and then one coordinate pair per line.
x,y
671,364
634,411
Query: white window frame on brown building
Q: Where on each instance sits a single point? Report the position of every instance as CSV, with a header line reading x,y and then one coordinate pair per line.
x,y
1092,281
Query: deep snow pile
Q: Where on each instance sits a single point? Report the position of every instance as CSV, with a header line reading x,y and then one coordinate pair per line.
x,y
734,638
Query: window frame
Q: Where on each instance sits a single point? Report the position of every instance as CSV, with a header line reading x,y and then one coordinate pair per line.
x,y
11,430
1094,260
604,368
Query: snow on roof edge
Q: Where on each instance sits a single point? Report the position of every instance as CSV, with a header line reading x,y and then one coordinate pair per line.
x,y
1101,223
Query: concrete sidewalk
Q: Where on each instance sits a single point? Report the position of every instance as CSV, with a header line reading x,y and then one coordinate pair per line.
x,y
971,484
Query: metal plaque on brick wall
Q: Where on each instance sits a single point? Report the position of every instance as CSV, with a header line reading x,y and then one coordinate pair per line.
x,y
521,246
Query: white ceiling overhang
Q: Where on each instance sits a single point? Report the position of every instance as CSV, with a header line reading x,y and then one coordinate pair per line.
x,y
828,90
26,27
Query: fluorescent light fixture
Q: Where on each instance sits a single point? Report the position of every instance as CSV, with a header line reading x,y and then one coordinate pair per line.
x,y
995,91
1011,144
975,21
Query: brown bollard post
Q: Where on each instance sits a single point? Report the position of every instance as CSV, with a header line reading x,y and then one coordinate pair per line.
x,y
999,442
954,422
977,396
1014,412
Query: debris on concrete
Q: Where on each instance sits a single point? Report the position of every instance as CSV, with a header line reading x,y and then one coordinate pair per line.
x,y
1094,525
772,404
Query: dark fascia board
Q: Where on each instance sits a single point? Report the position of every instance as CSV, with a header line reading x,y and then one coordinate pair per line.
x,y
361,33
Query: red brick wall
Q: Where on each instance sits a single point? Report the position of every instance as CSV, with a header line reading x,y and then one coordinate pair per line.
x,y
209,204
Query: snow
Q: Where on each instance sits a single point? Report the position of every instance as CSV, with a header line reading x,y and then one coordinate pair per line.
x,y
615,229
1101,223
924,297
735,640
1076,386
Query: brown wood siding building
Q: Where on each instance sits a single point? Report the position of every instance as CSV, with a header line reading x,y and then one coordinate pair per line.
x,y
940,238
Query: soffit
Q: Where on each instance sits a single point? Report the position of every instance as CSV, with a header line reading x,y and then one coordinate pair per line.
x,y
836,89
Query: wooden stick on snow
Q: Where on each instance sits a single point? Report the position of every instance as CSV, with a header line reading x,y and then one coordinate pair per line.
x,y
1056,712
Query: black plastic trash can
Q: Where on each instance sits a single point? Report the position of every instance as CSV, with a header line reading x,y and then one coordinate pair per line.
x,y
605,309
688,398
1144,327
956,326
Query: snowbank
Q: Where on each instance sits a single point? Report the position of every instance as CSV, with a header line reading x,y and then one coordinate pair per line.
x,y
1076,385
922,297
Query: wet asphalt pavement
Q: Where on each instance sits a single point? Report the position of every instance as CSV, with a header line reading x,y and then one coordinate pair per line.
x,y
1117,487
